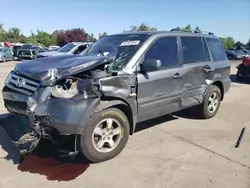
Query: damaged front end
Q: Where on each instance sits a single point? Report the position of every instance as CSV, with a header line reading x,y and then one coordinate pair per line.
x,y
56,106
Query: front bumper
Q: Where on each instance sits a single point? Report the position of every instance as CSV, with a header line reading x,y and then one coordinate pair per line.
x,y
65,116
227,85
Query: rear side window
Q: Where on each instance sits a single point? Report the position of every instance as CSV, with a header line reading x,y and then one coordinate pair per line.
x,y
194,50
166,50
217,50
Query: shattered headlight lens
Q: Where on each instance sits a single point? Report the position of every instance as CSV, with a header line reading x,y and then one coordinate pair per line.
x,y
61,92
84,88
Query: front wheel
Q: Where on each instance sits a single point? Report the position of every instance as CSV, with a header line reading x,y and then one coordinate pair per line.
x,y
105,135
211,103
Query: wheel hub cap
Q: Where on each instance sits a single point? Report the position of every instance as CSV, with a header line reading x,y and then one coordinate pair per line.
x,y
213,102
107,135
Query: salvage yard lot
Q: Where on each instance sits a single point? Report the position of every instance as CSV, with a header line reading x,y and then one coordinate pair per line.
x,y
172,151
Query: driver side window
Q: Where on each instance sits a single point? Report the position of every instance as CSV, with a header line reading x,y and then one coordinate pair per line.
x,y
164,49
80,49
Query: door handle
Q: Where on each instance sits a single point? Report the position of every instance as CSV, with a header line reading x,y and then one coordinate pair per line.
x,y
177,75
207,68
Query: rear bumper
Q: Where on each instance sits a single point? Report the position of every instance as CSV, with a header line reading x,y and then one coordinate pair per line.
x,y
64,115
227,85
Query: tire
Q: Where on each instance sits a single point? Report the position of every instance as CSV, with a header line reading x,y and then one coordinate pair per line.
x,y
4,60
88,145
205,113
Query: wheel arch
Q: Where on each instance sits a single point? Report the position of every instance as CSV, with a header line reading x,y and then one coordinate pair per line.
x,y
220,85
121,105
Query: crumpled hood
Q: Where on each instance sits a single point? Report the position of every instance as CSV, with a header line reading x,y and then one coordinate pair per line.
x,y
53,53
61,66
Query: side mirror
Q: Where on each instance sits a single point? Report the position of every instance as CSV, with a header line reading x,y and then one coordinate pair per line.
x,y
150,65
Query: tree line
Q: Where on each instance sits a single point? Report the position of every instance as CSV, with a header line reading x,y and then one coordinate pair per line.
x,y
62,37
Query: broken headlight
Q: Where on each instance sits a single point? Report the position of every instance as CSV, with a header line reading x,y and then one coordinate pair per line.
x,y
85,88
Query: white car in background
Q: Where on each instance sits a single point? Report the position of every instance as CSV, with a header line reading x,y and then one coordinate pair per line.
x,y
70,48
53,48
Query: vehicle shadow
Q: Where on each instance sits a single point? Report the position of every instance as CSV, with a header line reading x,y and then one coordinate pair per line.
x,y
189,113
154,122
44,159
234,80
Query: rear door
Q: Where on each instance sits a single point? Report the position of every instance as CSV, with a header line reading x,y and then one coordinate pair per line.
x,y
198,68
220,63
9,53
160,91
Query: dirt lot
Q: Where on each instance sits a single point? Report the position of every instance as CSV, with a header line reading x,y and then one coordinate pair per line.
x,y
173,151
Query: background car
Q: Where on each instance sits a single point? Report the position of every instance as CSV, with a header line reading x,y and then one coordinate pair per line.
x,y
15,50
242,52
53,48
233,55
27,51
246,52
70,48
5,54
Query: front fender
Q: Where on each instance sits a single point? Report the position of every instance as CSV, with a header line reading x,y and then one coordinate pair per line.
x,y
69,116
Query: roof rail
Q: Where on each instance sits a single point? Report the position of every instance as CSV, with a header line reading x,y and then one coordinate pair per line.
x,y
192,31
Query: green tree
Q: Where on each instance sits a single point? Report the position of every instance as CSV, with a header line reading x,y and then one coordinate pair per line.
x,y
187,28
56,32
14,34
197,28
2,33
23,39
101,35
227,42
45,38
91,37
142,27
238,45
32,39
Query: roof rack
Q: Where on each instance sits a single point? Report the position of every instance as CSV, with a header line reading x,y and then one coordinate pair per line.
x,y
192,31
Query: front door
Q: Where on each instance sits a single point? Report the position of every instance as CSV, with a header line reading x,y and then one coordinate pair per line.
x,y
159,92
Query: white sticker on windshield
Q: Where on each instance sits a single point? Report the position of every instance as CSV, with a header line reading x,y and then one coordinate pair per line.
x,y
129,43
105,53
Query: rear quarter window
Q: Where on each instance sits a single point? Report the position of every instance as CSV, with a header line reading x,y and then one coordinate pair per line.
x,y
217,50
194,50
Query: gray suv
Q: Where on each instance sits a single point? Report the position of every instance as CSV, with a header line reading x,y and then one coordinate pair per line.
x,y
91,102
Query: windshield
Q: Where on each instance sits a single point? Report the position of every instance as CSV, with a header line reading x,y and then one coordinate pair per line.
x,y
16,47
121,47
67,47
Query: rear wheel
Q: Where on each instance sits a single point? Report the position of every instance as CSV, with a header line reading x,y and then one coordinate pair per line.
x,y
105,135
211,103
